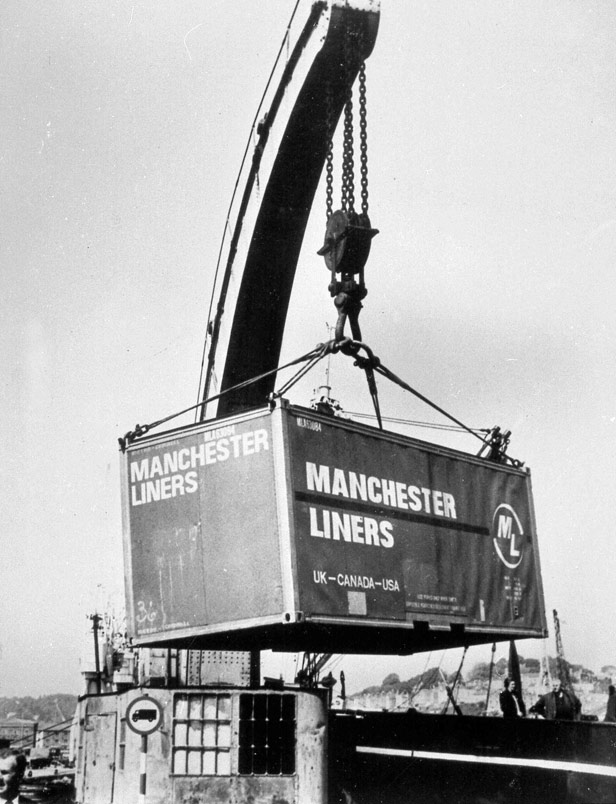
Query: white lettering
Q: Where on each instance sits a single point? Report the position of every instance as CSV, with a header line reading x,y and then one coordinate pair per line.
x,y
357,486
222,450
317,479
357,528
164,488
355,581
248,443
177,485
341,526
374,495
170,462
449,505
414,498
183,460
210,452
138,471
371,529
385,529
381,491
191,483
388,487
351,528
504,527
197,455
314,528
152,490
261,442
219,432
339,484
156,467
170,474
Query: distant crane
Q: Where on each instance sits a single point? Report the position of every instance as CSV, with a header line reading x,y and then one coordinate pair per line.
x,y
62,718
562,665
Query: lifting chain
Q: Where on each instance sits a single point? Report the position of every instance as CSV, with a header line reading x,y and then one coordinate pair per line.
x,y
363,134
348,166
329,159
348,233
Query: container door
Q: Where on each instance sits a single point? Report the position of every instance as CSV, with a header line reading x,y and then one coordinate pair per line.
x,y
99,764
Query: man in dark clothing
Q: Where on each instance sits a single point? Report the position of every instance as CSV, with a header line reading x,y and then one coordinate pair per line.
x,y
509,703
610,712
560,704
12,769
517,694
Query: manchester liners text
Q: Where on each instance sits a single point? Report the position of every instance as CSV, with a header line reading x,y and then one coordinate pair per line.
x,y
381,491
174,473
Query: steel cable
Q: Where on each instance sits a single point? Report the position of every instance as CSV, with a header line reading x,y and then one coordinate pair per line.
x,y
141,430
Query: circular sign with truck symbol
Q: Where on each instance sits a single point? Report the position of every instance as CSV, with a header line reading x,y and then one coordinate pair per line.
x,y
144,715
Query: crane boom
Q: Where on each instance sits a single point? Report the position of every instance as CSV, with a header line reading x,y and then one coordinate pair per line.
x,y
269,219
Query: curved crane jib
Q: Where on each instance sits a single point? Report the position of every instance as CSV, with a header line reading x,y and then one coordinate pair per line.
x,y
279,187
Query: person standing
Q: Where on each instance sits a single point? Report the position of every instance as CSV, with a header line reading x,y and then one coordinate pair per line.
x,y
508,701
560,704
610,712
518,698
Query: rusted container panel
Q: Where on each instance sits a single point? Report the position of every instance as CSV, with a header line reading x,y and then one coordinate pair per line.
x,y
292,530
202,547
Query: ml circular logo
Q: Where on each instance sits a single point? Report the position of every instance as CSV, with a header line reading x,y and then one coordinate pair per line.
x,y
507,533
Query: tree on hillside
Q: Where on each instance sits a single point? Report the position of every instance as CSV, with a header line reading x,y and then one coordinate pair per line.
x,y
391,680
479,672
47,709
432,678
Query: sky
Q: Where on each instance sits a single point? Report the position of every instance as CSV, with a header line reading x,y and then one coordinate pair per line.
x,y
491,284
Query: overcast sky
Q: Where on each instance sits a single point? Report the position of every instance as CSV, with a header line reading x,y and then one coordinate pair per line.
x,y
491,284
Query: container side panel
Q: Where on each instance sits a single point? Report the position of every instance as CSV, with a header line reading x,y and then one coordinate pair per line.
x,y
203,528
393,530
239,511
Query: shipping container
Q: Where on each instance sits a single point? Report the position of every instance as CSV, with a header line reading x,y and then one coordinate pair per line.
x,y
287,529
